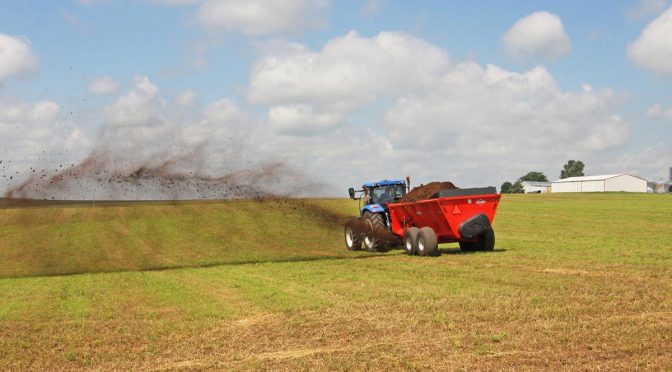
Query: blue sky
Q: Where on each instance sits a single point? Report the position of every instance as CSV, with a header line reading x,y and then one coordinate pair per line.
x,y
179,49
127,38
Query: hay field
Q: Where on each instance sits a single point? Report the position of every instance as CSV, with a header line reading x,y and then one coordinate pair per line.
x,y
576,281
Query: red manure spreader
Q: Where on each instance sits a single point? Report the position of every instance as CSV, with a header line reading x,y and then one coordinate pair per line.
x,y
422,218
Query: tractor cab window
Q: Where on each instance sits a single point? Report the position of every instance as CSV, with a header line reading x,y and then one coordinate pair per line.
x,y
386,194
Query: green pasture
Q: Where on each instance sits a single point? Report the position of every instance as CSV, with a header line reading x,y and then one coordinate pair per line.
x,y
576,281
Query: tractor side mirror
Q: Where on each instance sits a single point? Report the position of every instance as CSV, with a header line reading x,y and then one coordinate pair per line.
x,y
351,191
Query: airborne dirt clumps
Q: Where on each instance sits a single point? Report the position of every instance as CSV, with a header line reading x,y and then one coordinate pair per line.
x,y
99,178
428,191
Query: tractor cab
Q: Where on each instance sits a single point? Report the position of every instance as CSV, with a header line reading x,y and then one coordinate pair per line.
x,y
383,192
377,195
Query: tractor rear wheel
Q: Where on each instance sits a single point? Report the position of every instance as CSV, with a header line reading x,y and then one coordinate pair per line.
x,y
427,242
411,240
353,234
374,233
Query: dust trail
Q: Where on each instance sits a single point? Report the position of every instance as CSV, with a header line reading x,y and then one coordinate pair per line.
x,y
98,177
154,161
148,150
111,173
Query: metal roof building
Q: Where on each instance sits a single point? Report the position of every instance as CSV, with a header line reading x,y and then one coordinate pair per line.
x,y
604,183
536,186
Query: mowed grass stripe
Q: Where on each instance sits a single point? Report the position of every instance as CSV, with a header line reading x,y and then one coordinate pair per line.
x,y
85,239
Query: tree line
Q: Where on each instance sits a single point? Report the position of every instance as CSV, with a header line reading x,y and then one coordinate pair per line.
x,y
573,168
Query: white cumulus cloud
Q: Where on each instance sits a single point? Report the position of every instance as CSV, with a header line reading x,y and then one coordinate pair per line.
x,y
376,107
651,162
301,120
653,49
539,36
16,57
262,17
363,108
646,8
349,72
486,118
659,112
136,107
186,97
103,86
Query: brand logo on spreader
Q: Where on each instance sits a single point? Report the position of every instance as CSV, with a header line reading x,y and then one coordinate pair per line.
x,y
480,201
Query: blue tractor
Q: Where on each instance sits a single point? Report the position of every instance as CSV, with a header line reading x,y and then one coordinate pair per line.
x,y
375,216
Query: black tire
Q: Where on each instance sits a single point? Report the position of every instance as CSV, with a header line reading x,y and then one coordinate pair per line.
x,y
353,234
486,241
469,246
411,241
427,242
375,233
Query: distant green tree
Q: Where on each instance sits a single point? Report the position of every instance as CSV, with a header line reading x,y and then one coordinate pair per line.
x,y
517,188
572,169
534,176
506,188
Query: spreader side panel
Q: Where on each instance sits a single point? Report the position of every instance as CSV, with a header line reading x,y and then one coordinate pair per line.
x,y
443,215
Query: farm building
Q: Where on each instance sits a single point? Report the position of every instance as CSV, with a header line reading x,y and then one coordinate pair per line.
x,y
609,182
659,187
536,186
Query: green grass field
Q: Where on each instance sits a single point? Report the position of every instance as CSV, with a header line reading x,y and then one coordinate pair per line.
x,y
577,281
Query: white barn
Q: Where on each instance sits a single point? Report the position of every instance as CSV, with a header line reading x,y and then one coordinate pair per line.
x,y
536,186
609,182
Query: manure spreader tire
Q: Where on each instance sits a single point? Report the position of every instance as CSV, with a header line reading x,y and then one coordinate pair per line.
x,y
469,246
427,242
486,241
411,241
